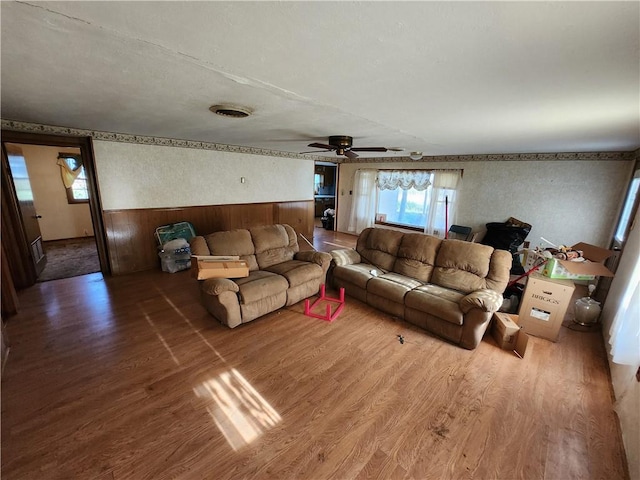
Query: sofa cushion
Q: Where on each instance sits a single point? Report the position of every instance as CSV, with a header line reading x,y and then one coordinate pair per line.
x,y
417,256
274,244
462,265
379,247
437,301
233,242
296,272
392,286
345,256
357,275
198,246
260,284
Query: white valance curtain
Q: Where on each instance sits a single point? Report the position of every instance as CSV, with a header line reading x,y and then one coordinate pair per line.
x,y
404,179
363,207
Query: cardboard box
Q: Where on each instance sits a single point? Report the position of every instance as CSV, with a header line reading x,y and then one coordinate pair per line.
x,y
505,330
589,269
508,334
544,304
203,267
554,269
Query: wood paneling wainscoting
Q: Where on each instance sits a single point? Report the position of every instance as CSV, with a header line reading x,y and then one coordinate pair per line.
x,y
130,233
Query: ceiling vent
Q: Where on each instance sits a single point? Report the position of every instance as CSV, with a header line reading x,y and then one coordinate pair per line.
x,y
231,111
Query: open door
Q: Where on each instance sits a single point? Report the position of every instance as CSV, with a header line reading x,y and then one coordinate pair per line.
x,y
20,176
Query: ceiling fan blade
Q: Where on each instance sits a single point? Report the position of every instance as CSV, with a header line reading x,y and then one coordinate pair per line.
x,y
350,154
313,151
370,149
321,145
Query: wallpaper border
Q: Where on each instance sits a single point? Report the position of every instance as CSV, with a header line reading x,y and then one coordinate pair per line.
x,y
172,142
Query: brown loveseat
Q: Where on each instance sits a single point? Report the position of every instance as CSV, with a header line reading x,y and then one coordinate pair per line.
x,y
449,287
279,274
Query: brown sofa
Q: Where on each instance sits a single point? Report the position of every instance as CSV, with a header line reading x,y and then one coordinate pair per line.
x,y
279,274
448,287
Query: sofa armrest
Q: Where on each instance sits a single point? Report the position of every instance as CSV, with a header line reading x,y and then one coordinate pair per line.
x,y
216,286
346,256
319,258
485,299
198,246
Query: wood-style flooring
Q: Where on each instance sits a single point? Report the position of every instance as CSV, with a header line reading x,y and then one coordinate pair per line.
x,y
130,378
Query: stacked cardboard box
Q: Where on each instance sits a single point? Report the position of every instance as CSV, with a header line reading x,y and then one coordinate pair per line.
x,y
203,267
547,295
544,304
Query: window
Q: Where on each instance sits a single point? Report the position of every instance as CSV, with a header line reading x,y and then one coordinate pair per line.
x,y
318,182
78,192
20,177
73,177
417,199
628,211
407,208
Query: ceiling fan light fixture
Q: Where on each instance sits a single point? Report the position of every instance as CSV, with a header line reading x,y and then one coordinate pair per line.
x,y
231,111
415,155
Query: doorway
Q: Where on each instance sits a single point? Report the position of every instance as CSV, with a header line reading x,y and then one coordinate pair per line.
x,y
63,239
325,181
17,238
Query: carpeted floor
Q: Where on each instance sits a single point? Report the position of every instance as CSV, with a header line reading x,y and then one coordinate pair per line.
x,y
70,258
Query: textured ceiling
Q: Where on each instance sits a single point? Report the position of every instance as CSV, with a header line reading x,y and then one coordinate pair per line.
x,y
445,78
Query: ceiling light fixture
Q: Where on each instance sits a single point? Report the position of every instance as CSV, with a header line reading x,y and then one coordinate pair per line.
x,y
415,155
231,111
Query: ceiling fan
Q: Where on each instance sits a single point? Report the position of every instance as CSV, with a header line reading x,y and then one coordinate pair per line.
x,y
342,144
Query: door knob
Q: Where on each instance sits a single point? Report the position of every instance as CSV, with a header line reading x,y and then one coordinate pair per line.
x,y
37,216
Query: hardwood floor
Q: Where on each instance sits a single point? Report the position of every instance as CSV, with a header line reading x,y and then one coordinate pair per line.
x,y
129,378
327,240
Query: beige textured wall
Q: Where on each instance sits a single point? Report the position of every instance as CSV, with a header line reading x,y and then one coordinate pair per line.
x,y
152,176
565,201
60,220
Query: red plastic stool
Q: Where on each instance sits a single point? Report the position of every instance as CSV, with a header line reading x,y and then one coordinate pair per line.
x,y
328,316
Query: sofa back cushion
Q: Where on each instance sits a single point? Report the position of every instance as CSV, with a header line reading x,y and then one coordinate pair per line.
x,y
274,244
462,266
379,247
416,256
233,242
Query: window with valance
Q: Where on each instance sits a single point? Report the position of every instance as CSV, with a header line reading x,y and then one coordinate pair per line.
x,y
417,199
418,180
74,178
